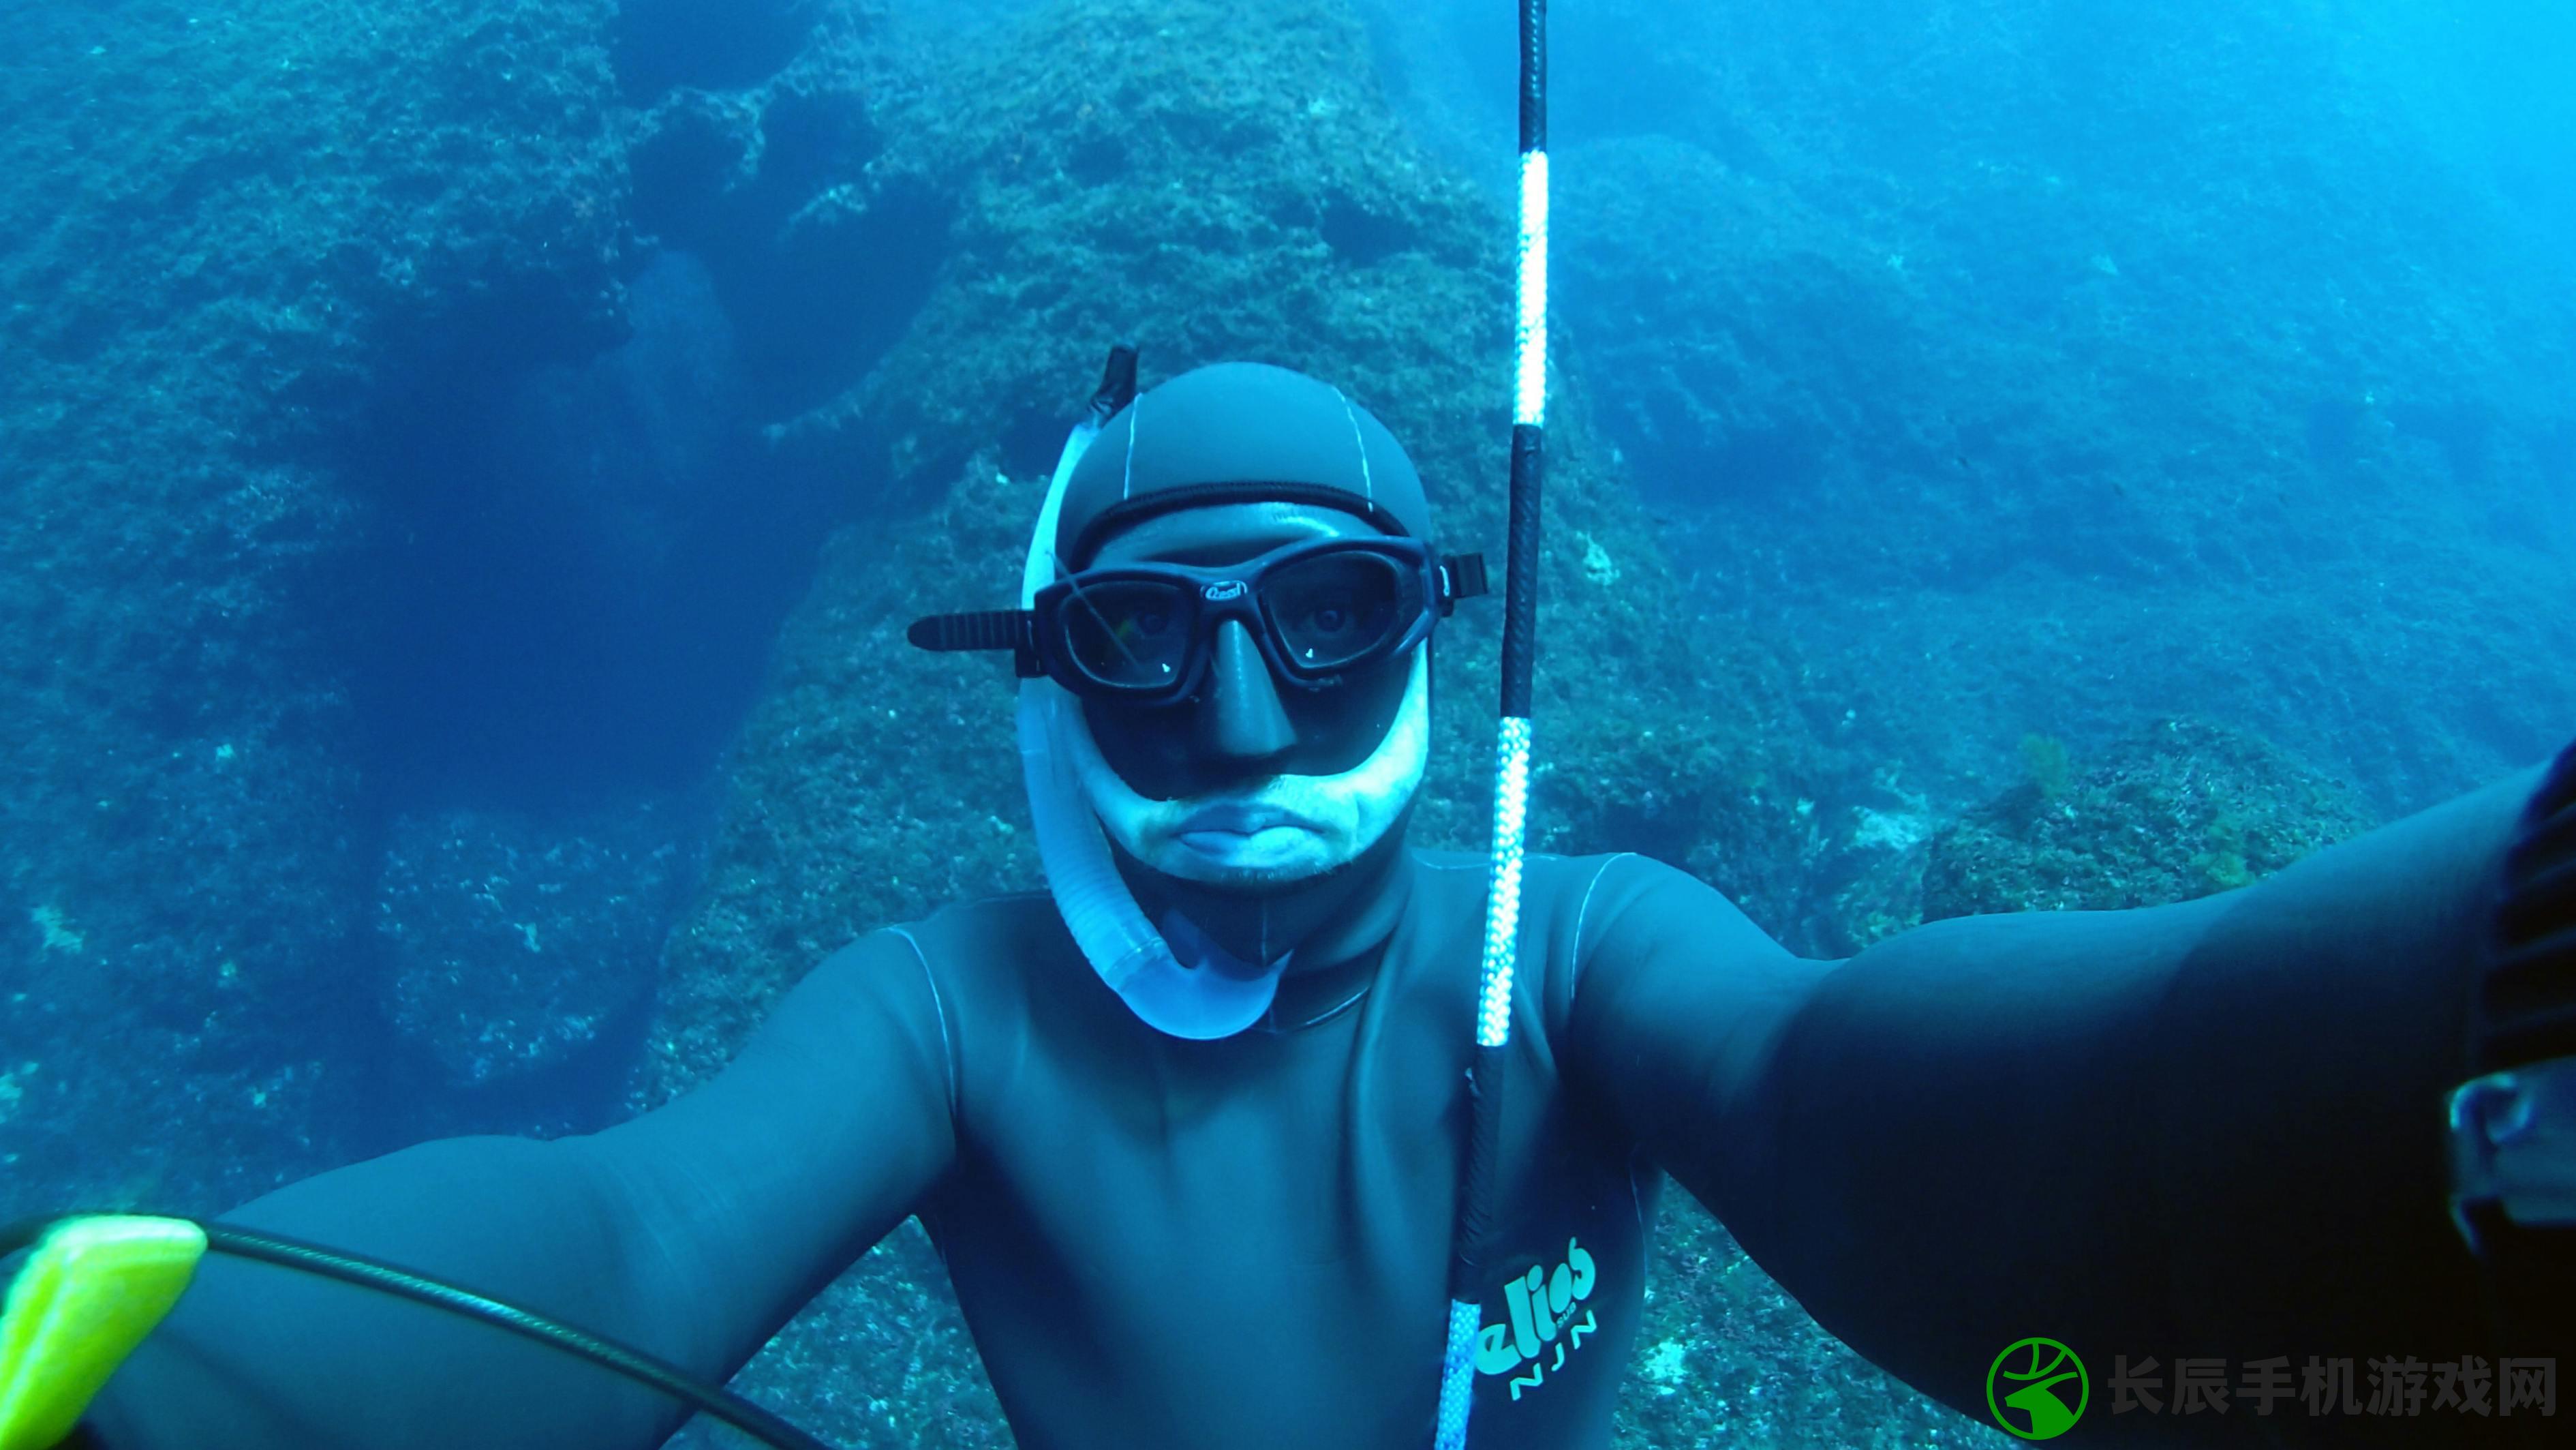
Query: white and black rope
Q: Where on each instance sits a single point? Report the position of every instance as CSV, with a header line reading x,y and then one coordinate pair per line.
x,y
1512,749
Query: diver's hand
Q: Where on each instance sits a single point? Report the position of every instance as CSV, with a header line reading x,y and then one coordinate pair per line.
x,y
2528,992
2513,1127
91,1290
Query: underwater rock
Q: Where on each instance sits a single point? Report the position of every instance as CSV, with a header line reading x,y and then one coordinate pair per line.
x,y
1897,311
517,946
660,45
2182,810
233,236
1733,375
777,179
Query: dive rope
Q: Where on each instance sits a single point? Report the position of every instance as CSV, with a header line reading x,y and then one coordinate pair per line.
x,y
1512,749
385,1278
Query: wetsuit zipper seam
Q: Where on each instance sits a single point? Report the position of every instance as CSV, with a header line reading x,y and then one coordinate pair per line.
x,y
1581,912
938,1004
1331,1012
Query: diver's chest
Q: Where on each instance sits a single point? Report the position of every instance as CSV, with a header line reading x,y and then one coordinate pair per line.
x,y
1305,1218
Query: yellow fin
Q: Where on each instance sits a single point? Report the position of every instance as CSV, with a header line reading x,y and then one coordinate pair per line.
x,y
91,1290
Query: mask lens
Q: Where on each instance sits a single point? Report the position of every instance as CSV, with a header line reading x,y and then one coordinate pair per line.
x,y
1332,610
1129,634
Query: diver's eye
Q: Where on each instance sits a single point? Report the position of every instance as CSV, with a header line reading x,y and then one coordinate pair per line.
x,y
1332,609
1126,634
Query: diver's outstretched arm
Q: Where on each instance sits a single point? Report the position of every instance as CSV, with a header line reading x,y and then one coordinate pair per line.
x,y
2213,1129
691,1233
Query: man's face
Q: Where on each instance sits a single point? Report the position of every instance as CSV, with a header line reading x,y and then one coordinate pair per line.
x,y
1254,781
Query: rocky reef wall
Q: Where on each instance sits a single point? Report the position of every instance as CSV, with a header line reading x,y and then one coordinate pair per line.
x,y
229,235
2046,367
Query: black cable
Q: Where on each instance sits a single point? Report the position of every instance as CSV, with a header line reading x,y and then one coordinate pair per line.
x,y
385,1278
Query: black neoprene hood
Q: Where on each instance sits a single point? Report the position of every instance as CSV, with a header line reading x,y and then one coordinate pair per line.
x,y
1238,432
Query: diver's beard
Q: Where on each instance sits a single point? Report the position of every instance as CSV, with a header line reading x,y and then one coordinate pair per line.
x,y
1341,911
1261,911
1351,812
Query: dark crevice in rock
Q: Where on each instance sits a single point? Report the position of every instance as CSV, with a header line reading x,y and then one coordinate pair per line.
x,y
660,45
580,544
687,156
573,564
2462,433
1096,160
842,283
1360,235
818,272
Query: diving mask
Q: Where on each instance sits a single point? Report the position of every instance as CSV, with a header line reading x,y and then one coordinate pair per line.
x,y
1143,633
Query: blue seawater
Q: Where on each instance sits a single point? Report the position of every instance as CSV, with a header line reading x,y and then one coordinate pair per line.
x,y
467,465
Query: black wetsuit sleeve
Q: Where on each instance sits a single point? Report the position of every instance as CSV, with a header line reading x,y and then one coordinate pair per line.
x,y
692,1232
2210,1129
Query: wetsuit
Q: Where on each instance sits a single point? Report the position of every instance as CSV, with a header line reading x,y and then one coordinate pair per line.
x,y
2208,1129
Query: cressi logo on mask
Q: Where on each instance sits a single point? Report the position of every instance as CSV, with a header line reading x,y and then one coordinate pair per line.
x,y
1223,590
1544,1320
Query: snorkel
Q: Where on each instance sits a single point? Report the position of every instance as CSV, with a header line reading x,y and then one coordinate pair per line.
x,y
1218,995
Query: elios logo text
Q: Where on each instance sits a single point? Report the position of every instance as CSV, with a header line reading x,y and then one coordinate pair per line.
x,y
1542,1306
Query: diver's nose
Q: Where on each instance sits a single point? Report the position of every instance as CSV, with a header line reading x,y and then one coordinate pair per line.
x,y
1245,720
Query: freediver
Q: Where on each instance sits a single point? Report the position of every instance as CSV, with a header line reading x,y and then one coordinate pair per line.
x,y
1207,1201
